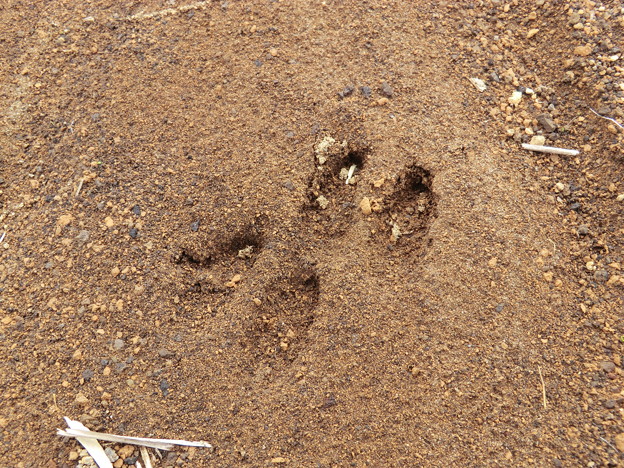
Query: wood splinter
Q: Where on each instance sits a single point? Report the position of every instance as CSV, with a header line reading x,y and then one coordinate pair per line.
x,y
550,150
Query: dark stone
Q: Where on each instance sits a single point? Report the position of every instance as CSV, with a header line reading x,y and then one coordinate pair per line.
x,y
346,92
289,185
575,206
366,91
546,121
258,63
582,230
136,210
165,353
387,90
164,387
87,374
195,226
133,232
329,402
609,404
499,308
130,460
601,276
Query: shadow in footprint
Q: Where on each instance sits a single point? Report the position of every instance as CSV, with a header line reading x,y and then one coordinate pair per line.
x,y
409,211
330,194
208,264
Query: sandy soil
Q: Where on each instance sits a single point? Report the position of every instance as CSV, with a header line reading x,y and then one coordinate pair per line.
x,y
186,255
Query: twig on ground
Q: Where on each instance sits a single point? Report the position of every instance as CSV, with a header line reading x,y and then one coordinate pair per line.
x,y
146,457
163,444
550,149
607,118
608,443
79,187
545,402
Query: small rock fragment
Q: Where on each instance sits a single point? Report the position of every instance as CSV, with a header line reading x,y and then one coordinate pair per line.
x,y
111,454
546,121
607,366
365,206
195,226
115,272
165,353
133,232
83,236
247,252
531,33
582,230
479,84
583,51
515,98
538,140
346,92
81,399
118,344
601,276
396,233
322,202
387,90
619,441
109,222
366,91
383,101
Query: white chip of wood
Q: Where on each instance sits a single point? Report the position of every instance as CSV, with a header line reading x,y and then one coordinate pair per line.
x,y
77,430
550,149
90,444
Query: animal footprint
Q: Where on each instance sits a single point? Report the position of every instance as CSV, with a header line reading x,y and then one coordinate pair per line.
x,y
331,189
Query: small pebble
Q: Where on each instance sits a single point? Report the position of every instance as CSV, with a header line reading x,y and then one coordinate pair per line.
x,y
136,210
366,91
607,366
601,276
195,226
165,353
111,454
133,232
582,230
365,206
387,90
87,374
346,92
83,236
118,344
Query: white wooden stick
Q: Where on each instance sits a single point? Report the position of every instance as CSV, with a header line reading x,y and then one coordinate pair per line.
x,y
607,118
91,445
76,429
146,457
550,149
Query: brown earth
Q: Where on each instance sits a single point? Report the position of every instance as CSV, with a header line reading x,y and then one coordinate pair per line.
x,y
177,263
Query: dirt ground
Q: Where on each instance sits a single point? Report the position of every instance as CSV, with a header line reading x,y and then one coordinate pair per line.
x,y
296,230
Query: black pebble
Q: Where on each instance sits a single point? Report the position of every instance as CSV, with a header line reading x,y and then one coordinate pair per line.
x,y
348,91
164,387
134,232
136,210
195,226
366,91
87,374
